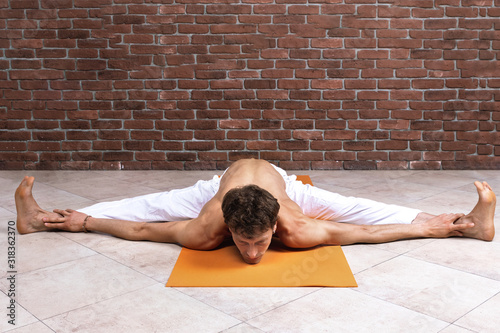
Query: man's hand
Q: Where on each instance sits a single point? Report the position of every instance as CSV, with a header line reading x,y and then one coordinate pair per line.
x,y
444,226
70,220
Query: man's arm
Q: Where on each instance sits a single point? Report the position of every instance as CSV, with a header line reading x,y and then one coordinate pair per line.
x,y
201,233
308,232
190,233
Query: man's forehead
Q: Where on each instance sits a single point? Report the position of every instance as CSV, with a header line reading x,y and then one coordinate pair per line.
x,y
256,237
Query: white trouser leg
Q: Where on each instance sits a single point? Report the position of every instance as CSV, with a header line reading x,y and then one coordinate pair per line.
x,y
324,205
175,205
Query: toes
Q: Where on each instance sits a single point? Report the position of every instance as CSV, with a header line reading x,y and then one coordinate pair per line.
x,y
486,185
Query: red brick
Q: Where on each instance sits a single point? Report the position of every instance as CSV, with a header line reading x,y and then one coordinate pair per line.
x,y
43,146
392,165
340,156
209,135
199,145
439,156
424,145
230,145
294,165
262,145
359,145
213,156
362,124
307,156
391,145
275,135
234,156
360,165
372,135
293,145
326,145
460,126
275,156
406,135
307,135
372,156
425,165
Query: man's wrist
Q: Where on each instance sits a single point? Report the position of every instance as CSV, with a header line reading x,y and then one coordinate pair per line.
x,y
422,231
85,227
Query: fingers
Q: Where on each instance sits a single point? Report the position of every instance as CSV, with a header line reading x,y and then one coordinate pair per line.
x,y
463,226
456,234
64,212
48,219
53,225
451,216
61,212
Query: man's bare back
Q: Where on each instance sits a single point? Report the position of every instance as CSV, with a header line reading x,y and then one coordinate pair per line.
x,y
255,172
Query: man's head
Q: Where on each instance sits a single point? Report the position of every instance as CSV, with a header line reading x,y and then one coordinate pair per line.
x,y
251,212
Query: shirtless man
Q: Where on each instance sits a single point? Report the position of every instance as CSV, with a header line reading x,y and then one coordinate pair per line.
x,y
252,201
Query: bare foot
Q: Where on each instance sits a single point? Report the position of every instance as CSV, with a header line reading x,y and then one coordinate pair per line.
x,y
29,214
482,215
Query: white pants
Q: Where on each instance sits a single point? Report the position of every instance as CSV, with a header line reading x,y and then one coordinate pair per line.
x,y
316,203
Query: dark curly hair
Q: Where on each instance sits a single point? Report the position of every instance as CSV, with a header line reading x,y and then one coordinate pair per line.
x,y
250,210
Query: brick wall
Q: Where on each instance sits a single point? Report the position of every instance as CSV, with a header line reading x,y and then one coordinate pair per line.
x,y
189,84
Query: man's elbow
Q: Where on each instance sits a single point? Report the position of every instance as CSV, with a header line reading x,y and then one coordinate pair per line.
x,y
203,243
299,238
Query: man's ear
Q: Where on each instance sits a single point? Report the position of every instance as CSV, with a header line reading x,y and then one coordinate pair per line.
x,y
274,228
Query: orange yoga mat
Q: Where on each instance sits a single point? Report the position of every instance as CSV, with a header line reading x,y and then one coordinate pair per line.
x,y
323,266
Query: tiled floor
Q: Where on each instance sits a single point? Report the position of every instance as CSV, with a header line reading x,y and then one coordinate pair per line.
x,y
95,283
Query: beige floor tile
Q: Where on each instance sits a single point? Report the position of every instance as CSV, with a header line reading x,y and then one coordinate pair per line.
x,y
452,201
35,251
56,177
344,310
352,180
362,257
456,329
103,188
246,303
437,291
398,192
476,174
242,328
493,182
37,327
469,255
151,309
497,228
71,285
484,318
155,260
18,314
160,180
403,246
440,180
7,215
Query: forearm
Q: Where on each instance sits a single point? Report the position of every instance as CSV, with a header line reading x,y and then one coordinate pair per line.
x,y
133,230
183,233
436,227
333,233
351,234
